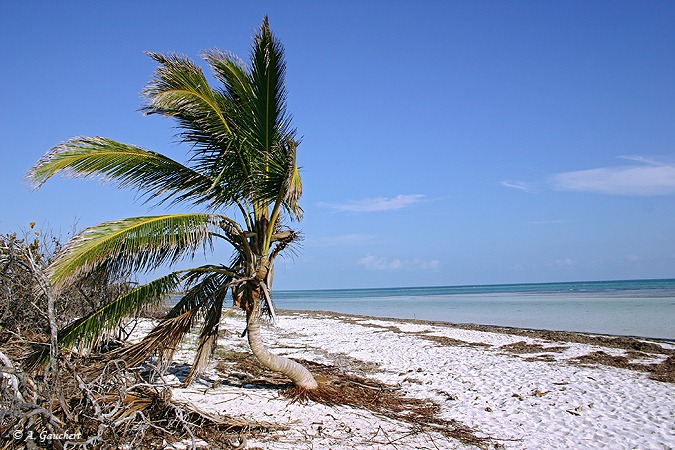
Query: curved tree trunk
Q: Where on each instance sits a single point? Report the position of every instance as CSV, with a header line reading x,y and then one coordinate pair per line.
x,y
300,376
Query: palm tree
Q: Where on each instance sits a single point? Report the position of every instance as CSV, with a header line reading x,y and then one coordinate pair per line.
x,y
242,171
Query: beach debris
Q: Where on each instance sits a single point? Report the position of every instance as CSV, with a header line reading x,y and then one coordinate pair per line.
x,y
446,394
663,371
448,341
243,443
576,411
385,400
538,393
545,357
523,347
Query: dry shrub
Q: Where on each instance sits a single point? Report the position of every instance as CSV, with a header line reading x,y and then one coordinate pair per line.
x,y
23,304
117,408
67,404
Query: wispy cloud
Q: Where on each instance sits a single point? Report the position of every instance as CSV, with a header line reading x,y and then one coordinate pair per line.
x,y
646,176
519,185
377,204
561,263
372,262
649,177
567,262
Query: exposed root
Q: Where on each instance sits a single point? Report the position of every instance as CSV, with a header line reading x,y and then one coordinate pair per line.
x,y
324,394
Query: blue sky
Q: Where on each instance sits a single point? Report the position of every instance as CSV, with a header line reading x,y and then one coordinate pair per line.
x,y
444,142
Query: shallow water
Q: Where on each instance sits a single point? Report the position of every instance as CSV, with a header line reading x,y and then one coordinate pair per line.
x,y
643,308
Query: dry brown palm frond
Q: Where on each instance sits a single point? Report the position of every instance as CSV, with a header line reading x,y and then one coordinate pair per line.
x,y
208,339
163,340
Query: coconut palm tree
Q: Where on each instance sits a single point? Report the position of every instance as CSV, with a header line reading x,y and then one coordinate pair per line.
x,y
242,172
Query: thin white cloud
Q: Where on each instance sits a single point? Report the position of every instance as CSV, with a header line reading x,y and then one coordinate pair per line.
x,y
639,158
372,262
519,185
567,262
378,204
646,176
430,265
649,177
561,263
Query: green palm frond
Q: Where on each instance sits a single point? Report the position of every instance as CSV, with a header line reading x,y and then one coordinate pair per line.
x,y
232,72
180,90
272,125
270,130
134,244
128,166
86,330
209,120
237,159
258,100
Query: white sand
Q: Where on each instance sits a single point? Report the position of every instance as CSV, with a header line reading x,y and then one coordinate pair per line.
x,y
520,404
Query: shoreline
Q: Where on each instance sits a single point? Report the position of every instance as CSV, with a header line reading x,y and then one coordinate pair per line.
x,y
531,332
634,308
520,389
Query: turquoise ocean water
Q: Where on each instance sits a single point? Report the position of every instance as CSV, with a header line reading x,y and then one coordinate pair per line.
x,y
643,308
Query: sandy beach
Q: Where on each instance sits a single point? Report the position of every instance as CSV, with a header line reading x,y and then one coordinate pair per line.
x,y
508,388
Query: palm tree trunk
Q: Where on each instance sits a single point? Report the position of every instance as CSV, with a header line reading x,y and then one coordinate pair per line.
x,y
298,374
